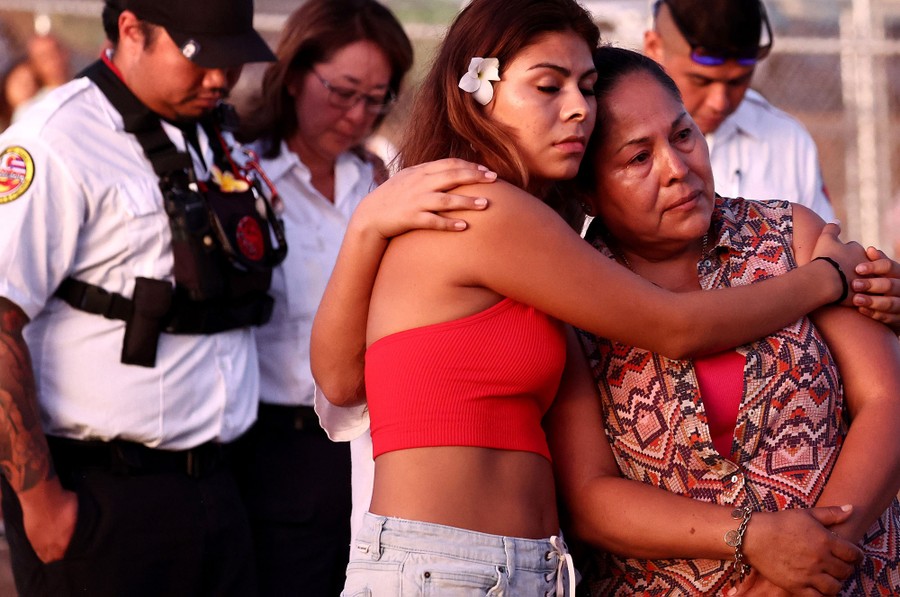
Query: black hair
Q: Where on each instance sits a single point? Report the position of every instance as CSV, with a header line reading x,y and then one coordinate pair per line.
x,y
718,25
613,64
110,17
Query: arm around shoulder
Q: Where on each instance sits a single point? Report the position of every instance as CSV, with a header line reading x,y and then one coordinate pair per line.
x,y
415,198
521,249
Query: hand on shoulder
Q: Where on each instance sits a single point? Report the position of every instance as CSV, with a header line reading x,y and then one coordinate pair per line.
x,y
418,197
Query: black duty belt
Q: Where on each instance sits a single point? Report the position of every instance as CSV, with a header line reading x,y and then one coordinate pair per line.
x,y
130,459
277,416
182,316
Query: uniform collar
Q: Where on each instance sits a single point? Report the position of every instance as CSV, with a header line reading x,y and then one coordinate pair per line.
x,y
287,160
744,120
349,169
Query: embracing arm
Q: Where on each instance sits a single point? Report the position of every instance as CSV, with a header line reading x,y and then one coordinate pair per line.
x,y
867,472
49,511
527,253
412,199
633,519
338,338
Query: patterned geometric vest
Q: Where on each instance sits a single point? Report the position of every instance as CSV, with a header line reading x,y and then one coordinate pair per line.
x,y
789,427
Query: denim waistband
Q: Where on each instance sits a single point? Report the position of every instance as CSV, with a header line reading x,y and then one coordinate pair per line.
x,y
549,556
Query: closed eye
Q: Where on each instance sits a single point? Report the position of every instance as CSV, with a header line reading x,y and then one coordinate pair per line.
x,y
640,158
684,134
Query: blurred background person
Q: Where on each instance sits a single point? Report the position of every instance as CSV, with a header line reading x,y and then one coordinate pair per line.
x,y
339,70
50,59
711,48
19,85
48,65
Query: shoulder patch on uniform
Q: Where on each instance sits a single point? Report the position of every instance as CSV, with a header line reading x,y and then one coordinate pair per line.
x,y
16,173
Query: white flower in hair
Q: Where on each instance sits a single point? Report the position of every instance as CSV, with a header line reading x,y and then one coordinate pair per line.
x,y
477,80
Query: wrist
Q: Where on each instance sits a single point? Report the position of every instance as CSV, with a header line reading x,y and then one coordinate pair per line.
x,y
842,279
734,538
364,230
44,498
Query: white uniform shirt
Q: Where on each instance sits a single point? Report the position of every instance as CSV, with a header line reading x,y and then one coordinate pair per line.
x,y
760,152
314,230
94,211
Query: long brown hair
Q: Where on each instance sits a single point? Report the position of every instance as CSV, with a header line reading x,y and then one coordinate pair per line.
x,y
446,121
312,34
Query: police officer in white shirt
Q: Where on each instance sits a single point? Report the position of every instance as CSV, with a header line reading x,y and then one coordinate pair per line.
x,y
711,48
135,254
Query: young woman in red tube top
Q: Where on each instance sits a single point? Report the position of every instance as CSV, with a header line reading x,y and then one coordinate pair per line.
x,y
465,351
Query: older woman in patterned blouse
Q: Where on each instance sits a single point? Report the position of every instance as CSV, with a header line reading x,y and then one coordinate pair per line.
x,y
742,443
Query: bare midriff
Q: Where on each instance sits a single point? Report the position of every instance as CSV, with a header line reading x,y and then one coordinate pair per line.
x,y
501,492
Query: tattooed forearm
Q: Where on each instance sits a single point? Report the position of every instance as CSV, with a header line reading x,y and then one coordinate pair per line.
x,y
24,458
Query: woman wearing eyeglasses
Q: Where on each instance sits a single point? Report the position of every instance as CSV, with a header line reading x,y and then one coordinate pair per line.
x,y
339,68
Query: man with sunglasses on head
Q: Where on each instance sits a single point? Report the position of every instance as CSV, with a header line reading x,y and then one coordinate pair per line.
x,y
711,48
136,251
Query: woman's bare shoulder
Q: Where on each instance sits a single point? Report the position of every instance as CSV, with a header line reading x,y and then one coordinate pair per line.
x,y
507,204
499,190
807,226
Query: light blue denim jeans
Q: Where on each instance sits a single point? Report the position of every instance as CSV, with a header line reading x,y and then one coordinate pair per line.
x,y
392,557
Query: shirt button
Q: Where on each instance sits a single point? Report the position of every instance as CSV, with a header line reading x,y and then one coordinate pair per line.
x,y
707,263
734,478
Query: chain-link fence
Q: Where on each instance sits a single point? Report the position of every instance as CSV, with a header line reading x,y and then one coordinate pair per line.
x,y
837,68
835,65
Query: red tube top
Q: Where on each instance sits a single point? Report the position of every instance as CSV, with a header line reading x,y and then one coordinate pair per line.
x,y
485,380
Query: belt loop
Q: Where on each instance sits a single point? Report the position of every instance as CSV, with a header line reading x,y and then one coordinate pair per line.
x,y
193,466
510,548
376,547
123,460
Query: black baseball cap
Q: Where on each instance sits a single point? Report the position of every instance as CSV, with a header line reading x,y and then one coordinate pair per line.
x,y
211,33
722,29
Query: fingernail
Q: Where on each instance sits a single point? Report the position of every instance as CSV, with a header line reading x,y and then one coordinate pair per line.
x,y
459,225
483,168
846,507
732,591
859,301
490,175
858,285
481,202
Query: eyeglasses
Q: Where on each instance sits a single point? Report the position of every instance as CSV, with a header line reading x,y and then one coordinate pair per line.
x,y
715,57
346,98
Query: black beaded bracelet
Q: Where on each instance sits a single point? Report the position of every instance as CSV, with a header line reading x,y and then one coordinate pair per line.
x,y
845,287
